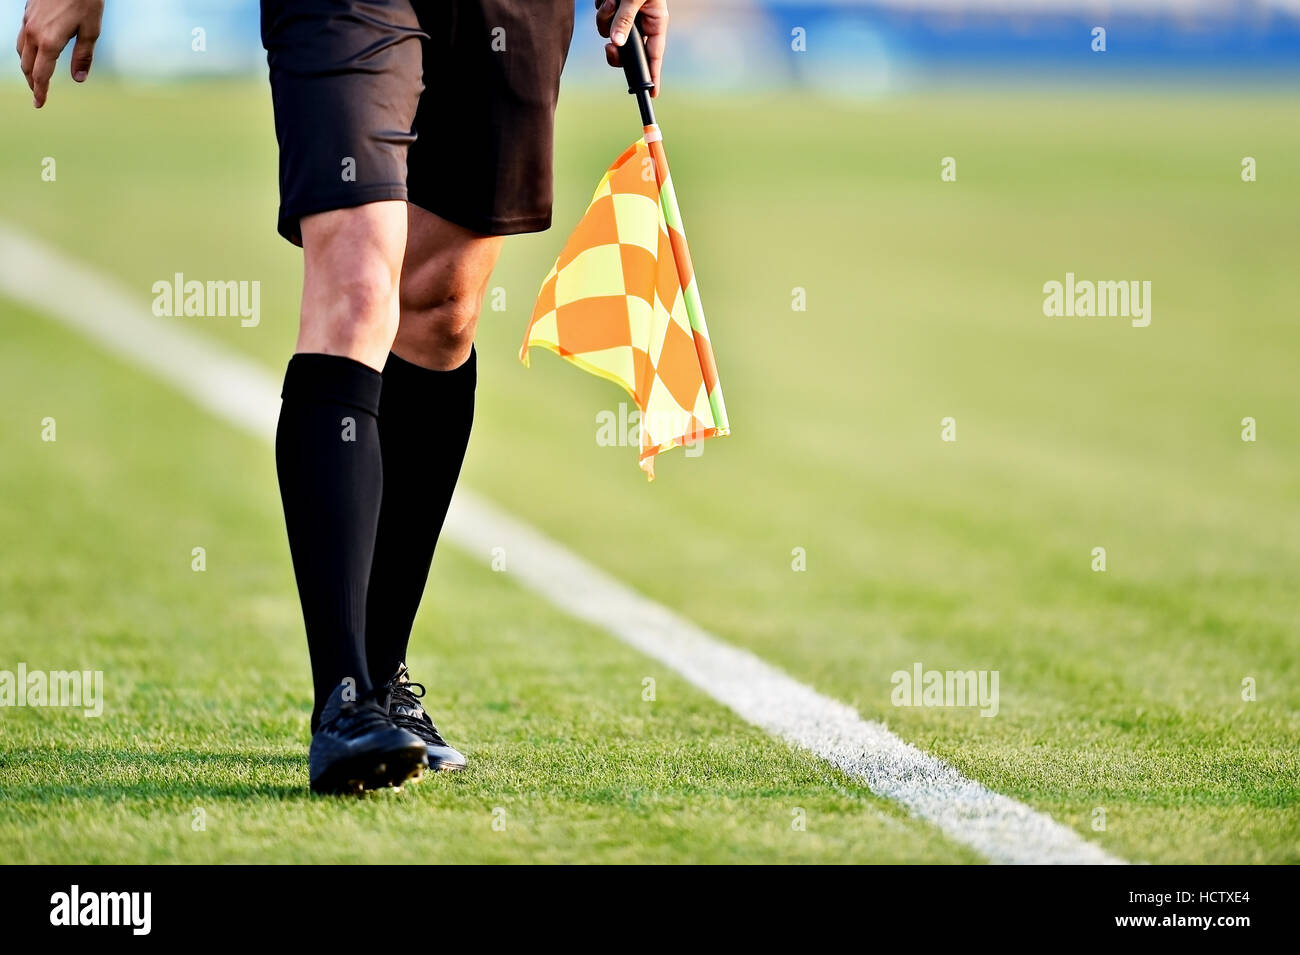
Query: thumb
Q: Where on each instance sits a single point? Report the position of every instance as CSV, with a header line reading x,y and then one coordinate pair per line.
x,y
82,55
623,20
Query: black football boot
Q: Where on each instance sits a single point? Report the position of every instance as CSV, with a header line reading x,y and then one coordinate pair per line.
x,y
406,712
357,746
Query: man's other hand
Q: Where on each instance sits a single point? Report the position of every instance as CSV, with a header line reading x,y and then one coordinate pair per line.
x,y
47,27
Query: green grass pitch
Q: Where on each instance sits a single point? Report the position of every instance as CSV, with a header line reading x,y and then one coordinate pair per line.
x,y
1119,690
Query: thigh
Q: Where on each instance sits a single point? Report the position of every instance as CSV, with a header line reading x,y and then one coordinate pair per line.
x,y
444,257
485,126
345,84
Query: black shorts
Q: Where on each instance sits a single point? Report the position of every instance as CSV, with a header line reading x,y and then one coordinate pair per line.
x,y
449,104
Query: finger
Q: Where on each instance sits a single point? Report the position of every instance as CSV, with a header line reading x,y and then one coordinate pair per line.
x,y
18,44
623,21
604,16
655,46
611,55
42,70
29,59
82,55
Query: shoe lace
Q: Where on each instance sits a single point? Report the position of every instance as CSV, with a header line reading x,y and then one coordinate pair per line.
x,y
363,715
405,710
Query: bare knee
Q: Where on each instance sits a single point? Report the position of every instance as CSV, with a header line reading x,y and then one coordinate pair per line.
x,y
353,260
444,276
364,300
438,322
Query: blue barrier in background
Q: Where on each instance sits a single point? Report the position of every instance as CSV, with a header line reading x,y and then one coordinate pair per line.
x,y
856,47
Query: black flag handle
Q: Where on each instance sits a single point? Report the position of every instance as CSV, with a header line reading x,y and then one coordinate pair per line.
x,y
636,67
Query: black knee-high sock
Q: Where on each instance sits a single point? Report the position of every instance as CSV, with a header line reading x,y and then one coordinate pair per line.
x,y
424,423
331,479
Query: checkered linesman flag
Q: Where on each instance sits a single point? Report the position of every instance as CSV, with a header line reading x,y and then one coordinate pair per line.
x,y
621,302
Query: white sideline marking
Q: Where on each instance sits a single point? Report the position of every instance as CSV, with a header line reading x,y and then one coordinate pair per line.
x,y
240,392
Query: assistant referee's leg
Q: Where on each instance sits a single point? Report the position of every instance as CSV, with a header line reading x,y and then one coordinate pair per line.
x,y
425,418
327,444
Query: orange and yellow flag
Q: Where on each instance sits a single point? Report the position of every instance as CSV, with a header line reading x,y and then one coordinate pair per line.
x,y
621,302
